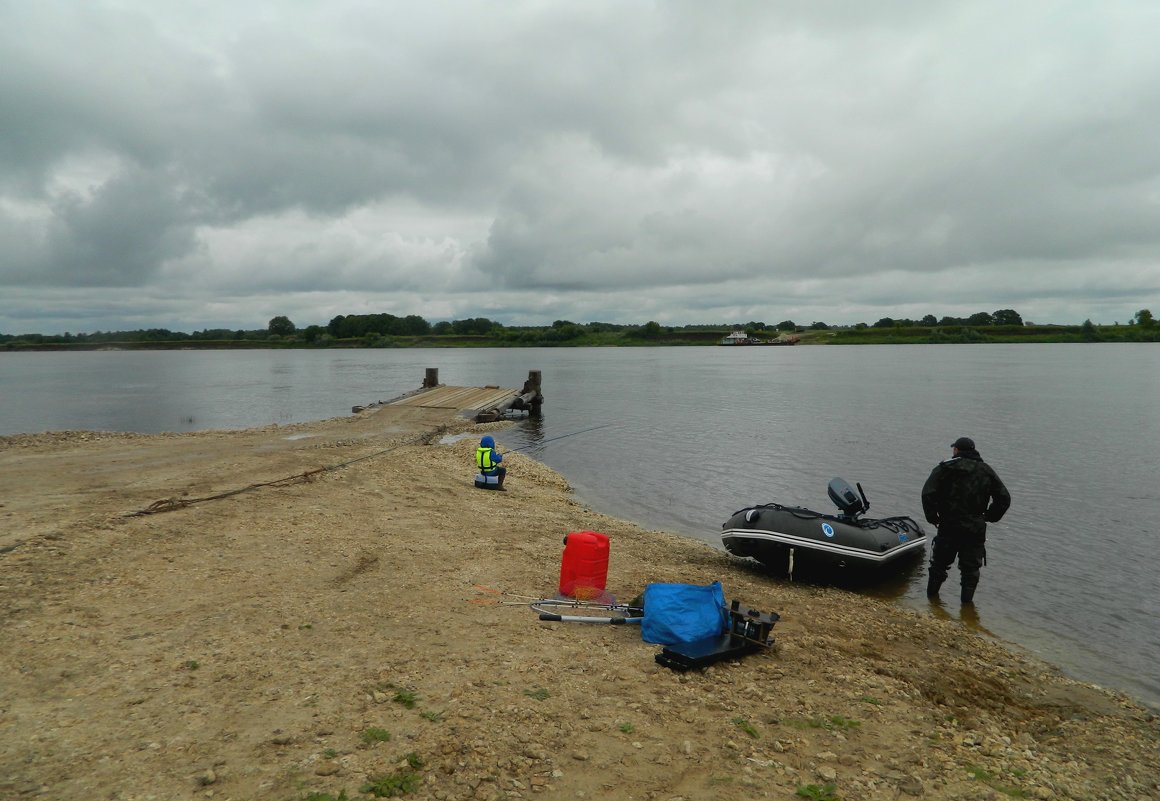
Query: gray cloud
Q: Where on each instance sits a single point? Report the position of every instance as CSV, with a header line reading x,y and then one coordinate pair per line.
x,y
217,165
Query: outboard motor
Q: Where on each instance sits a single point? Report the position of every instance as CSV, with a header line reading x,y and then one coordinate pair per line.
x,y
849,504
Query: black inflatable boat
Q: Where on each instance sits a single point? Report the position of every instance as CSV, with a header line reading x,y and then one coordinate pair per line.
x,y
777,535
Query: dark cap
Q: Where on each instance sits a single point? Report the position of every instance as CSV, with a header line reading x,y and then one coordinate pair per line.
x,y
964,444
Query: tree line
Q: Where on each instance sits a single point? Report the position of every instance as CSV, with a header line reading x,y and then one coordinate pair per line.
x,y
362,325
381,329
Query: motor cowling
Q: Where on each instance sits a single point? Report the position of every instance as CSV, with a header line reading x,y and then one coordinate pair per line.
x,y
849,503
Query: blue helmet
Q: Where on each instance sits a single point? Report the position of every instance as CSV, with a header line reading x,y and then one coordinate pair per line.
x,y
487,442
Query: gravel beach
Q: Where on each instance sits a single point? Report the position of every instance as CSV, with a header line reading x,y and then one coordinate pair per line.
x,y
294,612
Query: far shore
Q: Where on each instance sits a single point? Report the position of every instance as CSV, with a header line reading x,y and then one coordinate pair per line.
x,y
577,336
297,612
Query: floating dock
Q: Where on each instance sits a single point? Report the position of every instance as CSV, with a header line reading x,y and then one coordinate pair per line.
x,y
484,404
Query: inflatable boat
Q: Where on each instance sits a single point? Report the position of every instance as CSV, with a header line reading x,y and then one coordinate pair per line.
x,y
778,536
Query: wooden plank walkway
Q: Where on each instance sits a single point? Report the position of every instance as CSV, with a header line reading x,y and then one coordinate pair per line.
x,y
459,398
487,403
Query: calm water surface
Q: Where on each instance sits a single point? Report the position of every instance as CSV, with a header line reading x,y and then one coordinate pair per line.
x,y
691,434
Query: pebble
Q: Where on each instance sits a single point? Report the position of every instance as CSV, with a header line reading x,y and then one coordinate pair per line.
x,y
911,785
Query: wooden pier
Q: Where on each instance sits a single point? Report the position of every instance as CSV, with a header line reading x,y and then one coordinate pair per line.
x,y
483,404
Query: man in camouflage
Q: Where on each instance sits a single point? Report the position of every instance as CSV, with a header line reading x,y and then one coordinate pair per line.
x,y
961,496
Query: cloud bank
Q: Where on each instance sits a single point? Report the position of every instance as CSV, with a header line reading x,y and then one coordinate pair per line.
x,y
169,166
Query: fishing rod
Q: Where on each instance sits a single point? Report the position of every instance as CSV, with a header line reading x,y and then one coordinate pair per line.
x,y
562,436
613,613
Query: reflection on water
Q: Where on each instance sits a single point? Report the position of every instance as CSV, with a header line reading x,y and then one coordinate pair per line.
x,y
532,434
967,614
938,610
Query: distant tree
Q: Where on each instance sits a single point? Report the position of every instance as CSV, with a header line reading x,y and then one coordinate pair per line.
x,y
929,320
562,323
212,333
818,325
281,326
1007,317
474,325
980,318
885,322
949,321
1144,319
313,333
563,333
1088,331
155,335
413,325
650,330
381,324
787,325
860,326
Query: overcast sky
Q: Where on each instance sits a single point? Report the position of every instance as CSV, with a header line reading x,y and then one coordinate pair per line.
x,y
214,164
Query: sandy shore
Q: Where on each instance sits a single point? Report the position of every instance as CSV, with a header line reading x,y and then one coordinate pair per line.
x,y
330,633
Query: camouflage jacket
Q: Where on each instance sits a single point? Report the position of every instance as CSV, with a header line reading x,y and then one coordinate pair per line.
x,y
963,494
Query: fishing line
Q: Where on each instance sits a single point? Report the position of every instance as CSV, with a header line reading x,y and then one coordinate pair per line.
x,y
562,436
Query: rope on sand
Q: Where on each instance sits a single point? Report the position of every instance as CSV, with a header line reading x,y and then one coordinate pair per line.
x,y
169,504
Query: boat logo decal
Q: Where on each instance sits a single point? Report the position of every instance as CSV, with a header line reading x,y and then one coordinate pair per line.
x,y
902,537
827,529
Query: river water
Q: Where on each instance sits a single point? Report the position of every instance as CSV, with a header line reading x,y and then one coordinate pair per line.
x,y
679,438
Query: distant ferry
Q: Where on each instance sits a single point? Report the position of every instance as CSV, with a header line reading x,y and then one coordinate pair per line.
x,y
742,338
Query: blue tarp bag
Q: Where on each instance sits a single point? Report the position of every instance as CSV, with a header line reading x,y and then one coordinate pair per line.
x,y
678,613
